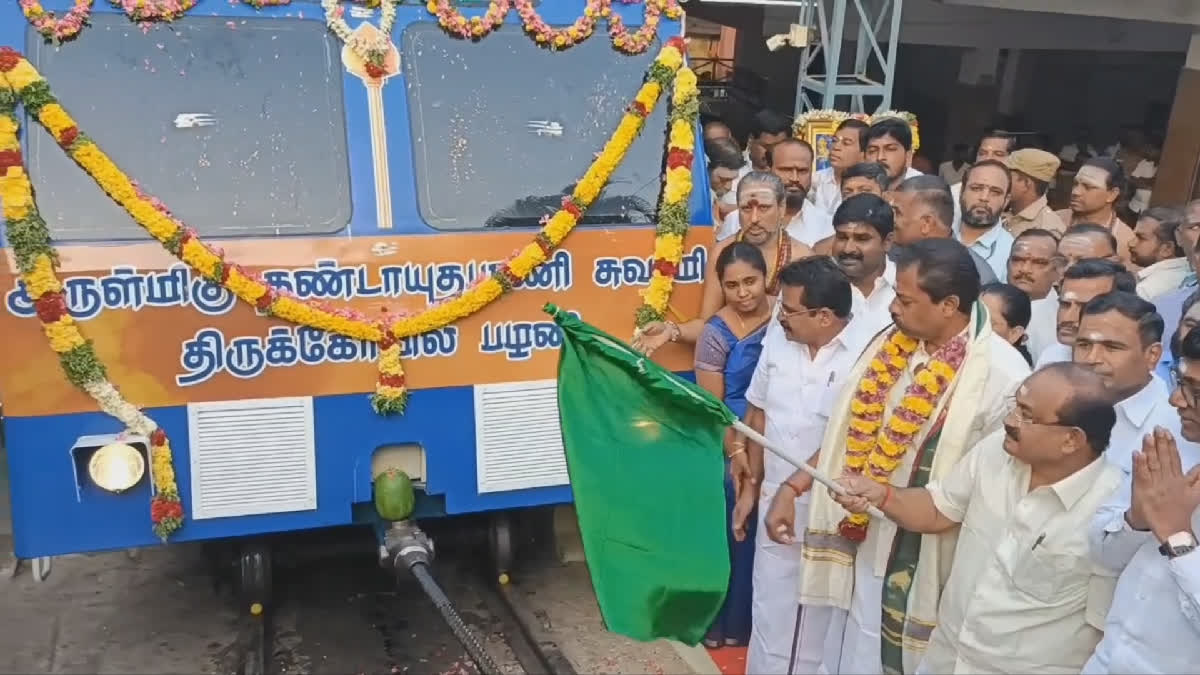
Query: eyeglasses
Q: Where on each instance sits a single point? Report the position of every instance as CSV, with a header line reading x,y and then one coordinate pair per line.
x,y
785,314
1024,419
1189,391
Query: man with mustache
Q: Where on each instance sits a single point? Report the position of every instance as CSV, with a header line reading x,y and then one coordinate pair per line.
x,y
846,152
985,190
864,177
1086,279
1087,240
1019,595
1156,249
767,128
888,581
791,160
1034,266
862,225
1099,184
923,209
1032,172
1147,534
995,146
889,141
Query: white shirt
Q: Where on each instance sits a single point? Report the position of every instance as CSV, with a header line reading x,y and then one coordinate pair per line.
x,y
1141,198
1017,597
994,246
1043,323
1055,353
797,391
1070,151
809,226
826,192
1153,625
874,311
1162,276
730,198
1137,416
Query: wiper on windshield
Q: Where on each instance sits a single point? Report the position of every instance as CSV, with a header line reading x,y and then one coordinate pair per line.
x,y
618,210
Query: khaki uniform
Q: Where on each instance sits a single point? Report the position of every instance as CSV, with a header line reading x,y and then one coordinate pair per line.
x,y
1039,215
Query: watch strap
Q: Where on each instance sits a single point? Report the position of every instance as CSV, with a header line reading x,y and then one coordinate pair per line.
x,y
1180,543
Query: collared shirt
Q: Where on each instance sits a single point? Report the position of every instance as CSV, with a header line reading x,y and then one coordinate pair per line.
x,y
797,390
1153,625
1017,597
874,310
826,191
1122,232
1141,198
1055,353
730,198
809,226
1038,214
1137,415
1170,308
1043,323
994,246
1162,276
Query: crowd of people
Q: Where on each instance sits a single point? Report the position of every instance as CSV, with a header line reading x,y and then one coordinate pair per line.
x,y
1008,397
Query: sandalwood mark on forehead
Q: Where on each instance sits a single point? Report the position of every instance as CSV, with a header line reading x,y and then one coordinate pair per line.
x,y
1092,177
756,197
1096,337
1023,390
1070,296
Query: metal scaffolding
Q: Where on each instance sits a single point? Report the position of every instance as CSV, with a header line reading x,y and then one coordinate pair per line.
x,y
822,82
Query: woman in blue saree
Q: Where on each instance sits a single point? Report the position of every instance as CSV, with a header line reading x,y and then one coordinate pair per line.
x,y
726,355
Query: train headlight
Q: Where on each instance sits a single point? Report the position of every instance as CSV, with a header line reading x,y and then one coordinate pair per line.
x,y
116,467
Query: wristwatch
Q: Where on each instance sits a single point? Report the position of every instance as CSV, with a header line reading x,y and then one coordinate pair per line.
x,y
1180,543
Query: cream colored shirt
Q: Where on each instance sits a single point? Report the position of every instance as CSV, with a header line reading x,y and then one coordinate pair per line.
x,y
1162,276
1017,600
1039,215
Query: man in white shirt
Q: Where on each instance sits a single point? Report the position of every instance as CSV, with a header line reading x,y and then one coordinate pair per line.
x,y
982,200
800,371
791,160
862,226
768,128
994,145
889,141
1147,533
1017,599
1155,249
1086,279
846,152
1080,150
1120,339
1034,266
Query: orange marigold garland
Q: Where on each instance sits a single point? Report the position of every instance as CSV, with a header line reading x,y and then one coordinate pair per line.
x,y
875,448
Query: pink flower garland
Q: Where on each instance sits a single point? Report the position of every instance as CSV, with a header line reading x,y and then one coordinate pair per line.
x,y
57,30
154,10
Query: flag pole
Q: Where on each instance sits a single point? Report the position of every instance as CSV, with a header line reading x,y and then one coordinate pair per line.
x,y
799,464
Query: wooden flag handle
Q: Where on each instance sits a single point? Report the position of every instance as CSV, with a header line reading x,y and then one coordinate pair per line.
x,y
799,464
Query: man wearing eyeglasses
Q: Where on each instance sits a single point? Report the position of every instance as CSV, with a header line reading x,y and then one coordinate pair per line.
x,y
1018,597
1187,235
1120,339
1147,533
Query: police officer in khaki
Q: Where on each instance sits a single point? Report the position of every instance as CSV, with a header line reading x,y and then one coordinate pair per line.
x,y
1033,171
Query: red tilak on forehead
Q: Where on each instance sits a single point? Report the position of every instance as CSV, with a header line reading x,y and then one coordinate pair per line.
x,y
753,202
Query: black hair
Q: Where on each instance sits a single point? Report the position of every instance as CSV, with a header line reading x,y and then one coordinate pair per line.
x,y
1038,232
932,192
1015,308
945,268
770,122
1190,347
1116,175
825,285
1177,338
1093,228
1169,219
875,171
740,251
1090,406
888,126
1129,305
791,140
852,123
867,209
1001,135
995,164
713,123
724,153
764,178
1099,268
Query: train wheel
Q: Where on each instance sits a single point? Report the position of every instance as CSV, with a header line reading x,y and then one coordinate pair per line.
x,y
500,544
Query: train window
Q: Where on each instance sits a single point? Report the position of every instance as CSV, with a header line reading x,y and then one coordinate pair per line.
x,y
502,128
236,125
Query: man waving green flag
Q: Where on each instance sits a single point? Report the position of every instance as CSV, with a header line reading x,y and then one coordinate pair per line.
x,y
644,452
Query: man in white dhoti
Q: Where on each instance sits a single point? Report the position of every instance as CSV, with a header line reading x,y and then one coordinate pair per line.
x,y
892,423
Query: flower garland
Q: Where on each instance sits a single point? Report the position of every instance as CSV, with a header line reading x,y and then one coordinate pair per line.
x,y
907,117
56,30
154,10
673,213
478,27
390,395
372,50
37,263
875,448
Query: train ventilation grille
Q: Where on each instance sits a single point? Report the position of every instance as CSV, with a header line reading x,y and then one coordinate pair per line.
x,y
518,439
252,457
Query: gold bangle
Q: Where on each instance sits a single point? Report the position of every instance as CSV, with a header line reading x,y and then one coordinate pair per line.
x,y
737,451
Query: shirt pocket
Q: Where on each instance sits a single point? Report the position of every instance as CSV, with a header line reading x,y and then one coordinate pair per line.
x,y
1051,577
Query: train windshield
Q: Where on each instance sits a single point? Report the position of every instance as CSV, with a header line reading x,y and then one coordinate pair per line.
x,y
502,128
236,124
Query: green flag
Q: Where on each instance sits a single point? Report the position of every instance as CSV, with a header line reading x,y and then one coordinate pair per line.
x,y
644,452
